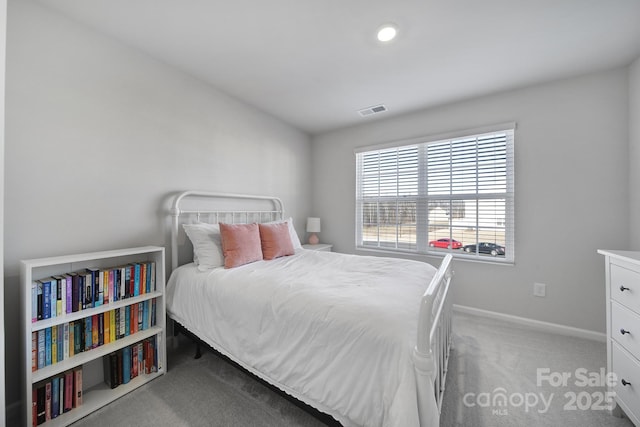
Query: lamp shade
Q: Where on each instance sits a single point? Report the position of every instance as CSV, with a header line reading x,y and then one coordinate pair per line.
x,y
313,225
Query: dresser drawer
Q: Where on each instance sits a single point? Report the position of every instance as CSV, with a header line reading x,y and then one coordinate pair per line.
x,y
628,369
625,328
625,287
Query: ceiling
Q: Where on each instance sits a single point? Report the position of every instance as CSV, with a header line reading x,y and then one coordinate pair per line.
x,y
314,64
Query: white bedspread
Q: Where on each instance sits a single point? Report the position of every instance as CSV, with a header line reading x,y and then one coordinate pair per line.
x,y
335,331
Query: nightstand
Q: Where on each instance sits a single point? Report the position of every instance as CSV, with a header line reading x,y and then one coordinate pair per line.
x,y
319,247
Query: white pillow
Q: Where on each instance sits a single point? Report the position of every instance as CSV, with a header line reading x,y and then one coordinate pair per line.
x,y
295,240
207,244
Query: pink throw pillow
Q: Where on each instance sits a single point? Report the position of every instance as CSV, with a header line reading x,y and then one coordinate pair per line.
x,y
240,244
276,240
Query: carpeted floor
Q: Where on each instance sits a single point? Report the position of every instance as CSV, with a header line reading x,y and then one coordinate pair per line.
x,y
490,360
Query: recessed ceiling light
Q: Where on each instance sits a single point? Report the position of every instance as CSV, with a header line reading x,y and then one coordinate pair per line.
x,y
387,32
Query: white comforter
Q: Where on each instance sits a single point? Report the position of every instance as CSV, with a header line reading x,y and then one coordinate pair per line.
x,y
336,331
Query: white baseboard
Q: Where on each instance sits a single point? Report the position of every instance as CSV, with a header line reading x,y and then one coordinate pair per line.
x,y
534,324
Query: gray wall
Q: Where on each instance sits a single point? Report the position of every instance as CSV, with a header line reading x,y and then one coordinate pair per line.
x,y
571,180
634,153
98,135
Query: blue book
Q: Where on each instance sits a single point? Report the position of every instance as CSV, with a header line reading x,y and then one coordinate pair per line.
x,y
127,320
55,397
145,315
41,350
46,297
93,275
126,365
153,312
61,342
47,346
88,333
136,282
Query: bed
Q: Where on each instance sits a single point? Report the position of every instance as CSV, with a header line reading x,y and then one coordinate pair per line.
x,y
363,339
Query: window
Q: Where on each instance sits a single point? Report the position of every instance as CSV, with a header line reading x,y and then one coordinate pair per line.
x,y
442,195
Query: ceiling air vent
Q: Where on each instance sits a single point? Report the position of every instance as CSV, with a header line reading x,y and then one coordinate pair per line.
x,y
372,110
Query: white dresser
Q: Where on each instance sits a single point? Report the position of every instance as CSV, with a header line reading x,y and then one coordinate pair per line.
x,y
623,329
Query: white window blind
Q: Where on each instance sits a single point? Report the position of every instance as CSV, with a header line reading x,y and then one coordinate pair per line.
x,y
448,195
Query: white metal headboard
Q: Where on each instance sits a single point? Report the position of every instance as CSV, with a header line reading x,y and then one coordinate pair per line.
x,y
205,206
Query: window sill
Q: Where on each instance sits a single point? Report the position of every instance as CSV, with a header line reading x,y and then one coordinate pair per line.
x,y
458,256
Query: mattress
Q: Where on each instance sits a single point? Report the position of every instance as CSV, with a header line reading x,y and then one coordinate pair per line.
x,y
335,331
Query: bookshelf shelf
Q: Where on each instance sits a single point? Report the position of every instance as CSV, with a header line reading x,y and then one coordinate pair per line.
x,y
95,391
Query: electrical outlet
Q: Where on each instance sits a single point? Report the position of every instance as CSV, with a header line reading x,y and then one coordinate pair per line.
x,y
539,289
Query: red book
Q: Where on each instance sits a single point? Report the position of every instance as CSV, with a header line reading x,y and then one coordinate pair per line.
x,y
134,318
77,387
34,407
134,362
68,391
132,281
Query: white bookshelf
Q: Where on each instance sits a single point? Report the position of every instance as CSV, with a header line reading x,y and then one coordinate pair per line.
x,y
96,393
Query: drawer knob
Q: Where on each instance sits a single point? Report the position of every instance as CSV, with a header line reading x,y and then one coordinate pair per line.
x,y
622,331
625,383
622,289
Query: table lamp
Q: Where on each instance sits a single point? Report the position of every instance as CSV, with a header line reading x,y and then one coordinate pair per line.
x,y
313,227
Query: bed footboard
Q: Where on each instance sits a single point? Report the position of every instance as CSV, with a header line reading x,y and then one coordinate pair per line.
x,y
431,353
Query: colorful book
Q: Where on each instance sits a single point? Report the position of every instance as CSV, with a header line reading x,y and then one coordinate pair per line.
x,y
100,318
40,301
46,297
61,395
88,333
54,297
77,387
133,324
95,330
34,302
153,312
69,292
41,349
55,397
72,333
47,402
112,326
89,289
54,344
153,276
66,344
143,278
34,406
76,292
134,361
140,313
126,365
78,336
34,351
61,342
47,346
61,287
68,391
127,320
145,315
107,327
